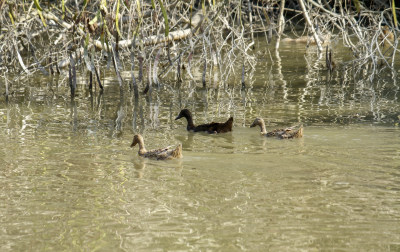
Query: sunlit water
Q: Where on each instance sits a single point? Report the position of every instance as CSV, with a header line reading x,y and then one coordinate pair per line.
x,y
69,180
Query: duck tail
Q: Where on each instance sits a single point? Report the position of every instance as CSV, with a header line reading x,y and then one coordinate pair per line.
x,y
177,153
292,133
229,123
300,131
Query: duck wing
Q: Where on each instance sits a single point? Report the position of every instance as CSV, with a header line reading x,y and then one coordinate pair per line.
x,y
292,133
217,127
169,152
225,127
204,127
276,132
282,133
155,153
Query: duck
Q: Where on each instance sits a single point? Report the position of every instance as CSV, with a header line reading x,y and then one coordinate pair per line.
x,y
209,128
286,133
170,152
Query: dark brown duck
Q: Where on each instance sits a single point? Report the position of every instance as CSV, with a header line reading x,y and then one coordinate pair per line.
x,y
209,128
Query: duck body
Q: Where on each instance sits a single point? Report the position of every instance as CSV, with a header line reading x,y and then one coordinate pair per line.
x,y
286,133
209,128
170,152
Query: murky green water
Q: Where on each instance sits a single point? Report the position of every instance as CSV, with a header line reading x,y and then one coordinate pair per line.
x,y
69,180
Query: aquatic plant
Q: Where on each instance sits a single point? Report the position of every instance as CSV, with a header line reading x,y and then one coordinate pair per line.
x,y
183,36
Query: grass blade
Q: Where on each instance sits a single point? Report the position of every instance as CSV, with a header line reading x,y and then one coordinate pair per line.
x,y
164,12
394,14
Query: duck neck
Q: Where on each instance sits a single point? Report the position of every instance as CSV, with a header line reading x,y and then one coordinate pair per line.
x,y
189,120
262,128
142,149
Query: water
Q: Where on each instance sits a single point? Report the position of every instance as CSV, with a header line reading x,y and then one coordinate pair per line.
x,y
69,180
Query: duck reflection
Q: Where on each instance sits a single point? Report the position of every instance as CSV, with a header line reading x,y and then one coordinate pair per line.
x,y
191,140
74,115
140,165
187,142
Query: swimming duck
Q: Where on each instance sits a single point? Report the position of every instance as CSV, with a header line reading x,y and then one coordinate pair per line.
x,y
286,133
210,127
169,152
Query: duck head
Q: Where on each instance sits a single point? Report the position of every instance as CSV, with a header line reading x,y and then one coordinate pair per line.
x,y
136,139
257,122
184,113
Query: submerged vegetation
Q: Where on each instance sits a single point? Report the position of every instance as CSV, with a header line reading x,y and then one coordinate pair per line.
x,y
157,40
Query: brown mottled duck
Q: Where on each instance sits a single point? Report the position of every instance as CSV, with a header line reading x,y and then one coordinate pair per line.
x,y
170,152
287,133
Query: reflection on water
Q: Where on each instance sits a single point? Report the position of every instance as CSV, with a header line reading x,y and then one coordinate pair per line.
x,y
70,181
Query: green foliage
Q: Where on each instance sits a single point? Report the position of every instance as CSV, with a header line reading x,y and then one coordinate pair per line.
x,y
117,18
394,13
357,5
164,12
39,10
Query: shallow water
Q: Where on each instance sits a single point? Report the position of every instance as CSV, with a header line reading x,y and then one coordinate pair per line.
x,y
70,181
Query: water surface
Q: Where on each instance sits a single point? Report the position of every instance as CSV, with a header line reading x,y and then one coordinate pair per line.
x,y
70,181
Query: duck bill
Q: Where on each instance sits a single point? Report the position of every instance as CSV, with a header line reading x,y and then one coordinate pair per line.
x,y
252,125
178,117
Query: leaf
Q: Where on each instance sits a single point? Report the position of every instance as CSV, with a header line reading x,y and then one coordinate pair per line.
x,y
11,17
357,5
39,10
164,12
140,20
42,18
394,13
63,9
94,20
138,8
116,18
37,5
